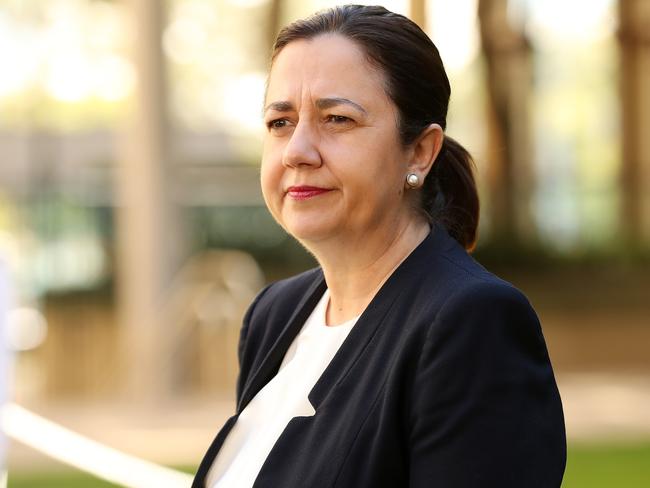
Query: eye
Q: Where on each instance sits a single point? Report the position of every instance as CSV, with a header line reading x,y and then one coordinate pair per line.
x,y
338,119
277,124
280,127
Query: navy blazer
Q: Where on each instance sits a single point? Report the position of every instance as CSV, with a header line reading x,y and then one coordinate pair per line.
x,y
444,381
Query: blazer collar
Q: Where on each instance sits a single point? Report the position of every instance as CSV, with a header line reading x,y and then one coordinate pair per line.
x,y
361,334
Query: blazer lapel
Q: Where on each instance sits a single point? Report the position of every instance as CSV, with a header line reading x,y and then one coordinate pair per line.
x,y
271,363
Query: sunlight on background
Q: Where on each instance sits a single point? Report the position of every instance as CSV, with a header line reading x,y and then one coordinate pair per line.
x,y
453,28
26,328
73,59
243,98
66,54
17,50
561,21
247,3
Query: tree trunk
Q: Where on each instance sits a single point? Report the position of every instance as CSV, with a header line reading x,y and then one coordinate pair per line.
x,y
274,22
145,224
634,40
507,55
418,13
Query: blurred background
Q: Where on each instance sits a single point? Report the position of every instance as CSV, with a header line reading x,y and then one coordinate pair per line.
x,y
133,233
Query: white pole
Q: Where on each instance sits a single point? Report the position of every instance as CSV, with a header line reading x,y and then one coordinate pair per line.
x,y
86,454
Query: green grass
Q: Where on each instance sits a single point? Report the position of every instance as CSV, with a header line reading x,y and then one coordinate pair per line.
x,y
597,466
608,466
71,479
65,479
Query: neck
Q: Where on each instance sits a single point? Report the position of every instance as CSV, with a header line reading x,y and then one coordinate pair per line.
x,y
357,268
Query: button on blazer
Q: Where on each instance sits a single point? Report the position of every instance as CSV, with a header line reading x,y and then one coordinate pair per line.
x,y
444,381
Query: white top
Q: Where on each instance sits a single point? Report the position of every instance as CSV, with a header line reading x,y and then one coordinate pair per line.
x,y
264,419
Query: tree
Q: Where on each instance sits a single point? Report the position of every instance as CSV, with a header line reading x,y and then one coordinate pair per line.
x,y
634,40
507,55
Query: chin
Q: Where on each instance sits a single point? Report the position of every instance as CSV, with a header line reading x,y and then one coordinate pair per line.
x,y
309,231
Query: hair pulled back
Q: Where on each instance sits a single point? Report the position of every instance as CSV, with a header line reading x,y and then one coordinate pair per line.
x,y
417,84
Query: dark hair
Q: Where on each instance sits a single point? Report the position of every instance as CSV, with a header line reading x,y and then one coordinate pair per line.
x,y
417,84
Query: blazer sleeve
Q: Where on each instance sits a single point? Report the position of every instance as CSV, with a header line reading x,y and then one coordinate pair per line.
x,y
484,409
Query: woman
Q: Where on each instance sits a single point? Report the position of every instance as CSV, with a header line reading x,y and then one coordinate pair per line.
x,y
400,361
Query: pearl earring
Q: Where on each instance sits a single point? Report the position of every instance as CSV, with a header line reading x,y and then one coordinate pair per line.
x,y
412,180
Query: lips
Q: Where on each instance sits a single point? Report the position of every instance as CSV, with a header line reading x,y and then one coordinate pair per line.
x,y
304,192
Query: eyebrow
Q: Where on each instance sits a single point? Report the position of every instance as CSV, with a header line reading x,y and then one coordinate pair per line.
x,y
321,103
324,103
279,107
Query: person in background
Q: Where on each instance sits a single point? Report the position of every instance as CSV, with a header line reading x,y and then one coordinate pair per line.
x,y
399,361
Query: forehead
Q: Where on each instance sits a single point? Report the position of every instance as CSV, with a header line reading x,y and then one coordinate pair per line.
x,y
326,65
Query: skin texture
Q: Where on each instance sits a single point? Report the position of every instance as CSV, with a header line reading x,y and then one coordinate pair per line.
x,y
332,132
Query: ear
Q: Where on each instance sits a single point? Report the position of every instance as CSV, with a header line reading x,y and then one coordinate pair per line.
x,y
425,150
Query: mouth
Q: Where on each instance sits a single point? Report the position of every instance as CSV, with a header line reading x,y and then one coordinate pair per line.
x,y
305,192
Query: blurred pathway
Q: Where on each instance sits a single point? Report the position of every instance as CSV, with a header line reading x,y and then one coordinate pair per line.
x,y
606,406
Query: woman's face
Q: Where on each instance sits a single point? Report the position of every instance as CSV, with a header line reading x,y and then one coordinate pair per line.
x,y
333,165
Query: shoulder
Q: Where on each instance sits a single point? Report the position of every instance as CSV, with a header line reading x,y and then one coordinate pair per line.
x,y
448,277
476,290
474,296
483,315
464,300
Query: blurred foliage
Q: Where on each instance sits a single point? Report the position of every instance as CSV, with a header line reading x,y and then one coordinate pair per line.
x,y
251,229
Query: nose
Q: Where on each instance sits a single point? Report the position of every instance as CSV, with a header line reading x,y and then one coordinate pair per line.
x,y
302,147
